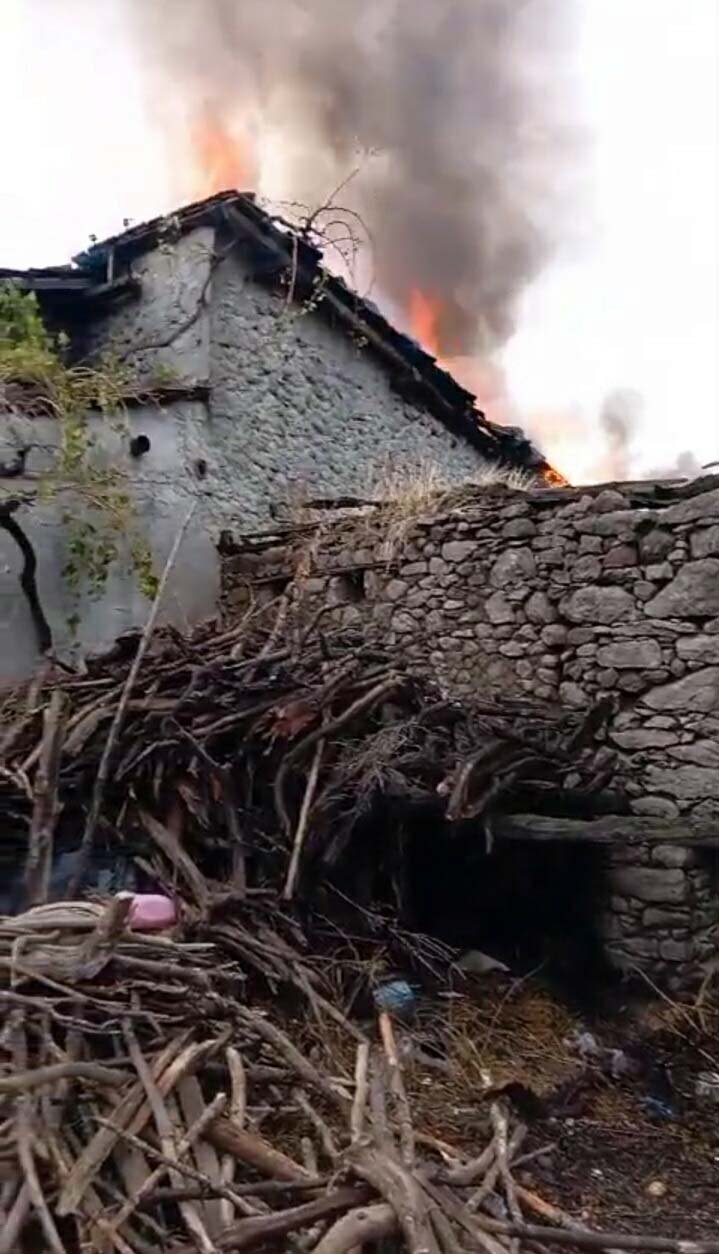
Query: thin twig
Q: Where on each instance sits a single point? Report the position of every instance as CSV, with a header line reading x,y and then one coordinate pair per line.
x,y
292,872
359,1104
103,769
45,802
165,1131
193,1133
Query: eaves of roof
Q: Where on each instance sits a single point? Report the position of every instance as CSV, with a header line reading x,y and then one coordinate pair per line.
x,y
277,250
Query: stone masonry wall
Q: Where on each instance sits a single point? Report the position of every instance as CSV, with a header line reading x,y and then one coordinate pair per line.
x,y
564,598
661,909
301,409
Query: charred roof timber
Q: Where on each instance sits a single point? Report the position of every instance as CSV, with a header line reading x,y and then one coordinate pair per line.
x,y
104,273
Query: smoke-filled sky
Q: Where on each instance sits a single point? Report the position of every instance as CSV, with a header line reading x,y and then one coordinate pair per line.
x,y
547,169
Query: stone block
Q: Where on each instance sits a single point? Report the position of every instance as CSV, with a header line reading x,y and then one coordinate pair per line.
x,y
553,557
696,692
654,916
539,608
702,648
513,565
590,544
404,623
675,950
395,590
656,545
554,635
586,568
699,753
607,679
519,529
543,692
638,947
621,523
458,550
640,654
595,604
643,590
674,856
607,501
572,695
704,543
650,884
694,590
660,570
545,676
630,681
580,635
498,609
643,738
621,555
513,648
696,509
685,783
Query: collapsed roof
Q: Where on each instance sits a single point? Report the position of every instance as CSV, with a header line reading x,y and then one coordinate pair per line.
x,y
104,273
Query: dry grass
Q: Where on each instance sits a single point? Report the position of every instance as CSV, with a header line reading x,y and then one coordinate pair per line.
x,y
409,492
500,1034
395,500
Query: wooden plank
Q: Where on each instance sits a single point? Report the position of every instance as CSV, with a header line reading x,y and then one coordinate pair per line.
x,y
609,829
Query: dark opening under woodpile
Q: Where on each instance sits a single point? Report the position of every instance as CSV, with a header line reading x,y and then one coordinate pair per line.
x,y
280,1061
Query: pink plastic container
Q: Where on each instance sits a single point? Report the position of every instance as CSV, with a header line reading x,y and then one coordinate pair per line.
x,y
151,912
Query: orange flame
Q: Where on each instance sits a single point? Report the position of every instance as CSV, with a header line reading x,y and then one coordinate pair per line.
x,y
555,478
223,160
424,315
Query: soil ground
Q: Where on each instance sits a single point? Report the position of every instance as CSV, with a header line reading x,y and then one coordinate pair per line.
x,y
639,1153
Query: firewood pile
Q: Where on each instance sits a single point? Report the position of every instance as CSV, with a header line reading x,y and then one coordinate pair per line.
x,y
205,1084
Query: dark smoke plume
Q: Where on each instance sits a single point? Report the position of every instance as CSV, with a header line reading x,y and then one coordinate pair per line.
x,y
458,114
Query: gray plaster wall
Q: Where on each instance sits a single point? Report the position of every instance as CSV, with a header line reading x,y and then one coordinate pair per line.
x,y
163,487
162,339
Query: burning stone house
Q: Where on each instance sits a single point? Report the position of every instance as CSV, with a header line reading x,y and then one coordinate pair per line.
x,y
257,377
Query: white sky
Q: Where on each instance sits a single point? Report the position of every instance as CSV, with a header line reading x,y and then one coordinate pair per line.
x,y
637,306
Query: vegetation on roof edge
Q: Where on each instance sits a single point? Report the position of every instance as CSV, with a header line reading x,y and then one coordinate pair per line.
x,y
35,373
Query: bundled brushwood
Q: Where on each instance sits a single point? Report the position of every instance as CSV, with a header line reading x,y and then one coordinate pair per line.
x,y
256,752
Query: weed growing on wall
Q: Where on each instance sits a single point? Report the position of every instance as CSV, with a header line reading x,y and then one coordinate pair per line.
x,y
37,378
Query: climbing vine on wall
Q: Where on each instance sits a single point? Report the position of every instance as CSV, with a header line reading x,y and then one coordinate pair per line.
x,y
38,379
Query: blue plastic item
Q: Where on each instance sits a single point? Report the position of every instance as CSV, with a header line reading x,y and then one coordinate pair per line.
x,y
397,998
657,1108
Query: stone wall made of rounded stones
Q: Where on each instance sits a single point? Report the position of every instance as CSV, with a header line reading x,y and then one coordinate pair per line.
x,y
660,910
564,602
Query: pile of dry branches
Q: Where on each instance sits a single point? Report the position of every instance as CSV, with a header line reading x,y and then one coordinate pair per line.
x,y
203,1088
258,750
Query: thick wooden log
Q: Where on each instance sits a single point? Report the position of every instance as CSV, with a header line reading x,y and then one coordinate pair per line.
x,y
625,829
